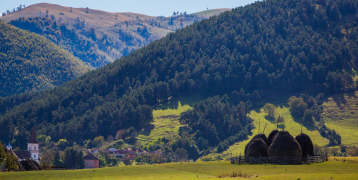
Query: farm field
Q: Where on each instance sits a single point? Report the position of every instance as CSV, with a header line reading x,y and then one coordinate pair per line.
x,y
200,170
292,125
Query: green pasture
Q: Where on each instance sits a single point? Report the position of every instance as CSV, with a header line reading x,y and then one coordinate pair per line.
x,y
199,170
292,125
340,112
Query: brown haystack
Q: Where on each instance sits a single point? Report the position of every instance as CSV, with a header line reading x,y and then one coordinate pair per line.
x,y
271,136
306,144
258,136
257,148
284,145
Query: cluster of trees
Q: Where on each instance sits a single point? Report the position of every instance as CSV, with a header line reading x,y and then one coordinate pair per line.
x,y
19,8
71,157
29,62
214,122
269,46
333,137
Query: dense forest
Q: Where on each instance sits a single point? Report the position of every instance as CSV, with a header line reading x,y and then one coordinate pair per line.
x,y
214,122
87,46
29,62
281,46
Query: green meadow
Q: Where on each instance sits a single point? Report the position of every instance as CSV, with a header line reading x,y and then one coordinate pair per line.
x,y
166,119
199,170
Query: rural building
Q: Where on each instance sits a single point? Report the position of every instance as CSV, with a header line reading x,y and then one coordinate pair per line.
x,y
33,149
91,161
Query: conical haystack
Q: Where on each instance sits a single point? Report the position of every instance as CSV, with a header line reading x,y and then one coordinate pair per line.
x,y
284,145
257,148
271,136
258,136
306,144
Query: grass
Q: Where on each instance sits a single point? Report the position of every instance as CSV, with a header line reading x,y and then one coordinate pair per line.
x,y
166,119
202,170
292,125
340,113
344,159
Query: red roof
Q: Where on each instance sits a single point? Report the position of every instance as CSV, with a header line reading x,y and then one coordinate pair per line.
x,y
90,156
124,152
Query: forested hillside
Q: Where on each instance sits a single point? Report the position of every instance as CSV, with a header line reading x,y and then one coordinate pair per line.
x,y
29,62
280,46
97,37
87,47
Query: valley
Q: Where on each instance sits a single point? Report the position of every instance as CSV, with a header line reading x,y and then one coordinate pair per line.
x,y
109,35
177,97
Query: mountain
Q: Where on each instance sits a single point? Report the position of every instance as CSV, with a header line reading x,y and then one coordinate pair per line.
x,y
99,37
30,62
268,48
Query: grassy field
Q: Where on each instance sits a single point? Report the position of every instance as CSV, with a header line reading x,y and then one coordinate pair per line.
x,y
202,170
166,119
341,114
292,125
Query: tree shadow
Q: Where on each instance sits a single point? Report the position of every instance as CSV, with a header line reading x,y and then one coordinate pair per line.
x,y
186,100
339,99
174,104
270,118
147,130
298,120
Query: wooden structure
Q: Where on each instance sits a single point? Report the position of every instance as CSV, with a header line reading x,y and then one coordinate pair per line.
x,y
275,160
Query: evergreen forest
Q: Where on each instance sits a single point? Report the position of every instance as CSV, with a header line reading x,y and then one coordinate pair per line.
x,y
29,62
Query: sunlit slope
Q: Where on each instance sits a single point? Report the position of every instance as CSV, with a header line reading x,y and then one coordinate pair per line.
x,y
292,125
340,112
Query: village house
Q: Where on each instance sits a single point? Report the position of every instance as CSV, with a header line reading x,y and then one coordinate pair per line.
x,y
91,161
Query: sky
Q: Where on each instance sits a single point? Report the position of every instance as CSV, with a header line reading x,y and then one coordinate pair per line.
x,y
147,7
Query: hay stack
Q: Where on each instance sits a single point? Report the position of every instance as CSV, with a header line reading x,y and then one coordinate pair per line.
x,y
306,144
271,136
258,136
257,148
284,145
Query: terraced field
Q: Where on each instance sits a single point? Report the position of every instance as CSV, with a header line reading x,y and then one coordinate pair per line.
x,y
340,113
